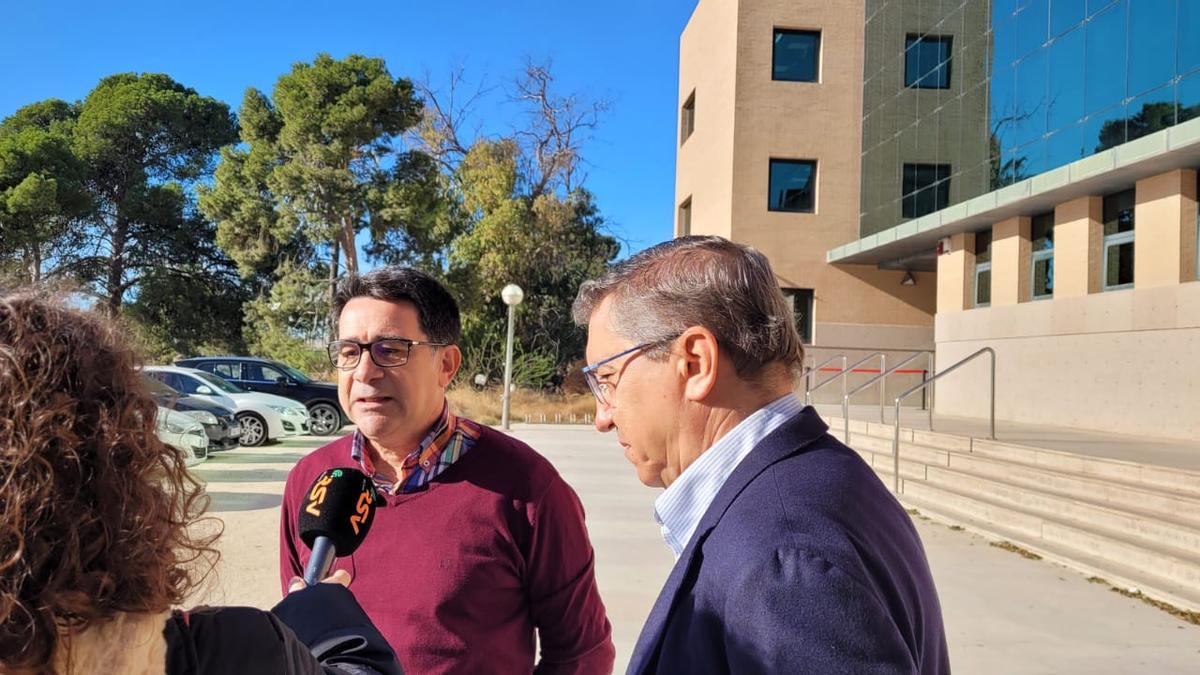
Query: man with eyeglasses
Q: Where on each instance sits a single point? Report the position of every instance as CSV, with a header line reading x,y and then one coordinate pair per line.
x,y
791,555
479,545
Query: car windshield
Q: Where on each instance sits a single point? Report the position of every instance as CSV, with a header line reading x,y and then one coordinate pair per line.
x,y
158,388
295,374
220,384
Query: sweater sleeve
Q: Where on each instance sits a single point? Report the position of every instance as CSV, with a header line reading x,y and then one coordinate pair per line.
x,y
289,541
565,603
798,613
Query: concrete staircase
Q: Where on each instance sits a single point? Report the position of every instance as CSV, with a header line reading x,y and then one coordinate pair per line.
x,y
1134,525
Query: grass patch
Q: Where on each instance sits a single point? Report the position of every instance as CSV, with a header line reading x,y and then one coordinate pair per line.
x,y
1182,614
1013,548
957,528
484,405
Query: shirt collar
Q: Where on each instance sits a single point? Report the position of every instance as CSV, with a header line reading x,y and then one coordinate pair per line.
x,y
429,445
680,507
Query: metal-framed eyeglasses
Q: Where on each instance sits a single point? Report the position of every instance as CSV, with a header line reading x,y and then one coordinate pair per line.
x,y
385,352
604,390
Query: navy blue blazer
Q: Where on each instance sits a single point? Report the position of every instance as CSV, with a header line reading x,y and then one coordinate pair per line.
x,y
804,563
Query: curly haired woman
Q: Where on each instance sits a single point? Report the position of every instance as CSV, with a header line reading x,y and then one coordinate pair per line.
x,y
96,543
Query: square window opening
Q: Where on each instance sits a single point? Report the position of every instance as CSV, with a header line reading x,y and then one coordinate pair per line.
x,y
1118,240
801,302
793,185
795,55
1041,239
927,61
925,189
687,118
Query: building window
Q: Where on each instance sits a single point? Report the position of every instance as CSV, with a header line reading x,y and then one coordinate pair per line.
x,y
983,268
927,61
1118,240
685,217
926,189
1041,239
793,185
687,118
795,55
801,302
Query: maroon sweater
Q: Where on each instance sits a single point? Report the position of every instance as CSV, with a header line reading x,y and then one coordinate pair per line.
x,y
459,575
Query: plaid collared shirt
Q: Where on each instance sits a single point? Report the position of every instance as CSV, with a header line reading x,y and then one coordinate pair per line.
x,y
450,439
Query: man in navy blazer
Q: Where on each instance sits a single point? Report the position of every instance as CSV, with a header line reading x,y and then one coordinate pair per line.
x,y
791,555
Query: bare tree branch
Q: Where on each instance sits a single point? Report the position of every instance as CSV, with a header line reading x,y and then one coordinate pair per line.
x,y
441,132
558,126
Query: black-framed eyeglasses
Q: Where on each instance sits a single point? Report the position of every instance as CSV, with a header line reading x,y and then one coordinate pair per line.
x,y
385,352
603,391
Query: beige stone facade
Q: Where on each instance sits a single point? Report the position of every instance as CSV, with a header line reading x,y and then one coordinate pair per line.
x,y
743,119
1067,242
1126,361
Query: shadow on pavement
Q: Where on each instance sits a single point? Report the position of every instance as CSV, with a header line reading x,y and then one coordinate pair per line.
x,y
236,457
243,501
304,441
241,476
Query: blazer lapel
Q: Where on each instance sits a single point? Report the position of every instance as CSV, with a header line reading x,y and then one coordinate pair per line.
x,y
791,436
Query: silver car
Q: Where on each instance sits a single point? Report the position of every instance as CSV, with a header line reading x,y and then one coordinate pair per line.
x,y
184,433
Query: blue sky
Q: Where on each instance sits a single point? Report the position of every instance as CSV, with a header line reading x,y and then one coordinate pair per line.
x,y
623,50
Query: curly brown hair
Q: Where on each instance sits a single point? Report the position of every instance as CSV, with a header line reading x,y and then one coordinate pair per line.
x,y
94,509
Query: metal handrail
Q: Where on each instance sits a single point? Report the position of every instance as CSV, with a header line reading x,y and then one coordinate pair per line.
x,y
809,371
844,372
813,348
926,383
882,391
807,375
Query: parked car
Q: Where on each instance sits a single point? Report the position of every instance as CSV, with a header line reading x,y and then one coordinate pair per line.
x,y
219,422
326,416
182,432
263,417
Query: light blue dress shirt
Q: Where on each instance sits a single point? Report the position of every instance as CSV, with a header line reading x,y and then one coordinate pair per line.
x,y
680,507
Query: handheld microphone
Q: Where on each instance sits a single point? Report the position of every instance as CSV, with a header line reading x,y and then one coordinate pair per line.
x,y
335,518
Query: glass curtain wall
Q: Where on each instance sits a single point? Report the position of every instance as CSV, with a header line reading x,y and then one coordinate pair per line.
x,y
1002,90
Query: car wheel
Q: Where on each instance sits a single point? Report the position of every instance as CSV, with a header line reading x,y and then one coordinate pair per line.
x,y
324,419
254,429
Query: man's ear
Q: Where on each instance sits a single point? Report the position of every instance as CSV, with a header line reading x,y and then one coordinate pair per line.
x,y
449,362
700,356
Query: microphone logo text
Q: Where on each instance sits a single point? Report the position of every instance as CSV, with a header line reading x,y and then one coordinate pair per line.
x,y
317,496
363,509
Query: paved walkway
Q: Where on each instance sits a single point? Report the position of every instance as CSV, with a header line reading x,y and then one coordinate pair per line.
x,y
1159,452
1004,614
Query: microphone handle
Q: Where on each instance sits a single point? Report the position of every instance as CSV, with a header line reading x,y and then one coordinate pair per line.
x,y
320,561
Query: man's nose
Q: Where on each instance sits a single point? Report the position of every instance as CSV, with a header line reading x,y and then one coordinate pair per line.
x,y
604,420
366,370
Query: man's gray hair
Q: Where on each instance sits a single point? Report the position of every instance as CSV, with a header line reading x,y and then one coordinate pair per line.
x,y
721,285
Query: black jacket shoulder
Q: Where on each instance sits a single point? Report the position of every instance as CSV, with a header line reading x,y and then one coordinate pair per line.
x,y
316,631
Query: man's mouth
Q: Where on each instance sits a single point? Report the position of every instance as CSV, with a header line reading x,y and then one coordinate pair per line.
x,y
372,400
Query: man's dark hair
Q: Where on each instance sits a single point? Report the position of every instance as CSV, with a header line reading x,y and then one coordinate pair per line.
x,y
436,309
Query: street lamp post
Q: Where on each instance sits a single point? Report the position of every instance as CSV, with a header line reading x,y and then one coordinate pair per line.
x,y
512,296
